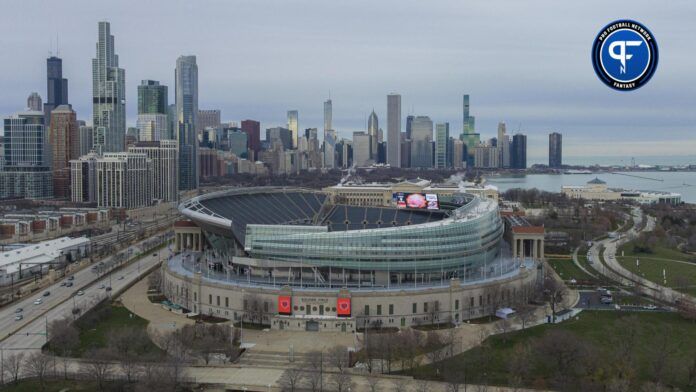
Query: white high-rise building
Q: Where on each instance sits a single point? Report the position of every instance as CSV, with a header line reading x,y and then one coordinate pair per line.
x,y
503,144
328,115
108,95
394,130
124,180
361,149
163,155
83,178
152,126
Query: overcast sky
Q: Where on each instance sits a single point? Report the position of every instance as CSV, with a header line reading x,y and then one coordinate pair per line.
x,y
523,62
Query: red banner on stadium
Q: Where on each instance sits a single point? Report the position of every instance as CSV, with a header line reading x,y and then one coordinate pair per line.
x,y
284,304
343,307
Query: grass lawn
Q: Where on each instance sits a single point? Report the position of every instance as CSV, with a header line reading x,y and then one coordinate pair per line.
x,y
93,334
598,328
652,265
568,270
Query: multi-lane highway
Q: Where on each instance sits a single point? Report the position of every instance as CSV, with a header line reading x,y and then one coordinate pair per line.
x,y
29,333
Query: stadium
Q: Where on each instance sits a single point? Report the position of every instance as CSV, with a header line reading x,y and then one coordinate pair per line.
x,y
300,259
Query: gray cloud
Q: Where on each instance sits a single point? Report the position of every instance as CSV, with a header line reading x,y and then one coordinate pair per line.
x,y
526,63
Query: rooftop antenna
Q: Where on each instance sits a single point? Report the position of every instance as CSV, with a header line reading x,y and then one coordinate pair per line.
x,y
57,46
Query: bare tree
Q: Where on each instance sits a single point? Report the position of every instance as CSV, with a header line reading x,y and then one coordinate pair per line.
x,y
253,307
291,378
373,383
157,377
154,280
314,373
555,291
342,382
400,384
338,357
12,365
525,312
98,367
36,365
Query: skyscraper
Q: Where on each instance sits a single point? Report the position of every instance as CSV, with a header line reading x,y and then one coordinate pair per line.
x,y
442,141
328,115
27,168
108,95
56,86
555,150
64,140
361,149
152,97
503,145
421,142
164,157
470,138
293,126
519,152
394,130
34,102
253,130
409,126
330,149
373,131
186,79
208,118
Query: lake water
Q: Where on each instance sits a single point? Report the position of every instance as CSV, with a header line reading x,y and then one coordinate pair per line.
x,y
679,182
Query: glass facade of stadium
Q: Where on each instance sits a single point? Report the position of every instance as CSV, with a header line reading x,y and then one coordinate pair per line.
x,y
465,243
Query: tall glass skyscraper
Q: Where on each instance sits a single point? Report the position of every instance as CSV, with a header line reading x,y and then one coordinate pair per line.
x,y
373,131
108,95
421,142
328,115
56,86
441,143
152,111
555,150
519,151
186,79
293,126
394,130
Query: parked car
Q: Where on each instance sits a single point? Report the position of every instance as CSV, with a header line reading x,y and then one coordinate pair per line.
x,y
606,300
650,307
46,293
19,317
38,301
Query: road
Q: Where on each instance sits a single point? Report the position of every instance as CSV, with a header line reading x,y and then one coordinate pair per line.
x,y
616,272
29,333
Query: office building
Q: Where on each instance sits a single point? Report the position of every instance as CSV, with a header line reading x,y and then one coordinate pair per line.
x,y
458,154
421,143
293,126
409,126
86,139
108,95
469,136
27,168
555,150
209,118
56,87
64,141
503,144
83,178
394,130
373,131
328,115
124,180
279,135
253,130
519,152
442,141
186,87
361,149
34,102
486,157
163,156
153,97
152,127
330,149
238,142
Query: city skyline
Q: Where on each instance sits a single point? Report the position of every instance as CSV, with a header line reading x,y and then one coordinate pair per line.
x,y
570,101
